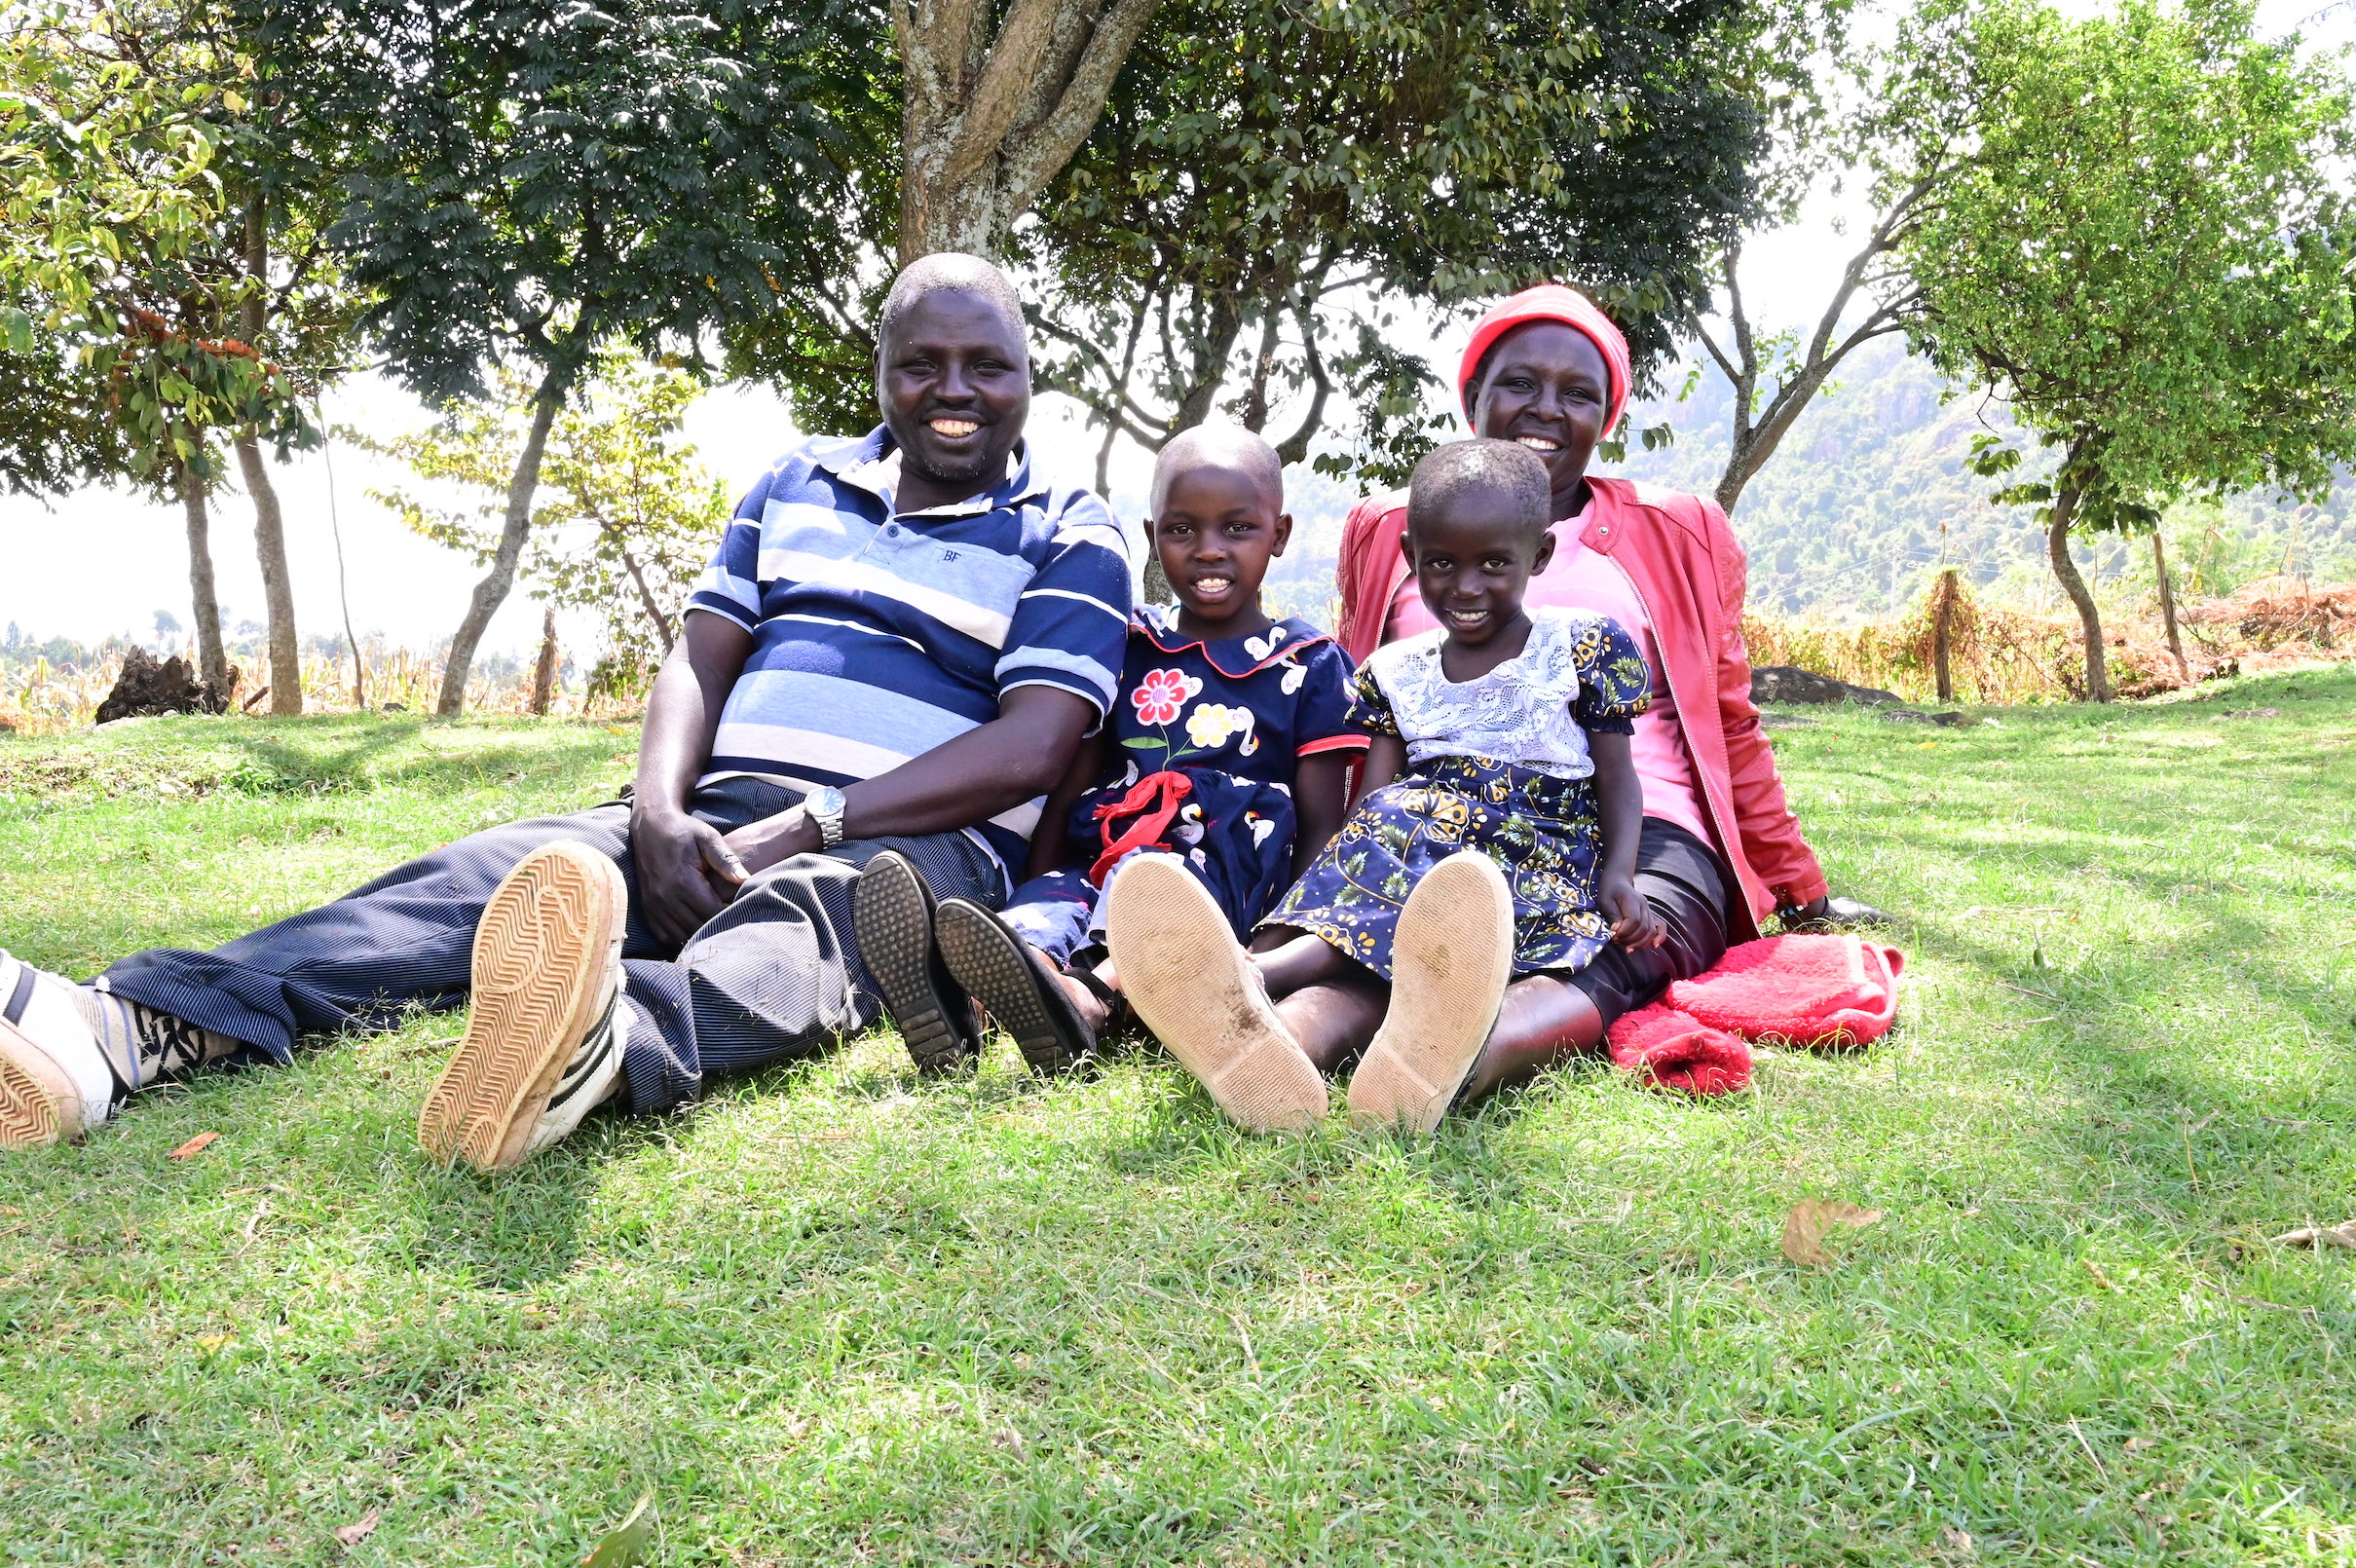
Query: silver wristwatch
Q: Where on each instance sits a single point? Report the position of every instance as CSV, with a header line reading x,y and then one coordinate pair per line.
x,y
825,807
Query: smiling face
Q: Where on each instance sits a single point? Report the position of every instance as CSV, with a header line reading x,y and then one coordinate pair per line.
x,y
953,382
1546,387
1473,556
1218,529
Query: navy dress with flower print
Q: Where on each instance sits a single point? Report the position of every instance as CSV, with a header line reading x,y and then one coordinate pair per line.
x,y
1205,736
1499,763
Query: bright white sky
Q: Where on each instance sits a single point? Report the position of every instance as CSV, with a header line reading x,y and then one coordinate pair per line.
x,y
103,562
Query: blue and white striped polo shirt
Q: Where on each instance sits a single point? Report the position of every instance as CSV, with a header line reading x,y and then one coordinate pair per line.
x,y
878,636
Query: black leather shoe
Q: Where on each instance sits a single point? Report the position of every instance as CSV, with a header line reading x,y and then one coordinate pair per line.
x,y
892,919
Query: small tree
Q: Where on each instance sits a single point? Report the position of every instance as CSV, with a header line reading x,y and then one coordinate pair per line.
x,y
1887,117
528,184
116,296
2148,261
627,516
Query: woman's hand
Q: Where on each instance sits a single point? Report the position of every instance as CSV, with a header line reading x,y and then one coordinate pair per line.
x,y
1829,914
759,845
1634,925
687,872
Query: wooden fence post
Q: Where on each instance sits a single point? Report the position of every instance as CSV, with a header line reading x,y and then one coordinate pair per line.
x,y
1942,633
2167,605
544,677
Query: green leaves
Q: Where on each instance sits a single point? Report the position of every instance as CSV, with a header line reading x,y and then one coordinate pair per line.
x,y
1271,179
123,270
2145,257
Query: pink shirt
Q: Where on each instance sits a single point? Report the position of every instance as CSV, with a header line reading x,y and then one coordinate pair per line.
x,y
1579,578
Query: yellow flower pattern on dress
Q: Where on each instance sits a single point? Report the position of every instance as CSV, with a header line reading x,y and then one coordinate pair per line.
x,y
1538,823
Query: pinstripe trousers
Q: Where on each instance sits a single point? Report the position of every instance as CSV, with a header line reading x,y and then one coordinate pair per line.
x,y
774,977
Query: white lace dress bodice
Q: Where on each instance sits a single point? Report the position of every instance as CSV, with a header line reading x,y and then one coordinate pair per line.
x,y
1577,672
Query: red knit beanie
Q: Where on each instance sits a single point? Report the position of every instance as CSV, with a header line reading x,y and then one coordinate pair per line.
x,y
1550,302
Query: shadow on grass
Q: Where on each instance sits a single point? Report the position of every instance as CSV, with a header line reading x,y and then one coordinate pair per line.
x,y
512,1229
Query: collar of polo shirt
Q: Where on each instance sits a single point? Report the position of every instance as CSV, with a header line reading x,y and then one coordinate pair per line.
x,y
879,476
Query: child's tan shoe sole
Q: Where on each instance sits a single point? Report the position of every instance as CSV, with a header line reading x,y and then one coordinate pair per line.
x,y
1452,956
1193,985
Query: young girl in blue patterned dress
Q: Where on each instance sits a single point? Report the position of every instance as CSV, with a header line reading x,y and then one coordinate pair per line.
x,y
1228,748
1496,836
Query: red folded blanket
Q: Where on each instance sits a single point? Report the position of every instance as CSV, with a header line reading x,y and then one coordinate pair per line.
x,y
1826,993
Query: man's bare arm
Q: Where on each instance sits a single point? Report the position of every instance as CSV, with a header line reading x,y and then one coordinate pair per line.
x,y
963,782
685,871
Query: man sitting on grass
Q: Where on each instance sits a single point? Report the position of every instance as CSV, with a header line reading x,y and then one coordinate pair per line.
x,y
898,646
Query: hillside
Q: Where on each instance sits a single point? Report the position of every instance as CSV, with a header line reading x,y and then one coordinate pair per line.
x,y
1870,495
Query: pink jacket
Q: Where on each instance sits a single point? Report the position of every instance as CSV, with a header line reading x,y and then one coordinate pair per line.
x,y
1691,575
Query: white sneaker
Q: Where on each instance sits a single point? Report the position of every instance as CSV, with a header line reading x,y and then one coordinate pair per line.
x,y
543,1046
55,1081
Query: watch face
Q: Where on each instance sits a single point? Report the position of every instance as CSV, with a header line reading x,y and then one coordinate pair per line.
x,y
827,803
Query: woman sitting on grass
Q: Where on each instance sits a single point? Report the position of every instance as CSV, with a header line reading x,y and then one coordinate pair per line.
x,y
1720,848
1497,835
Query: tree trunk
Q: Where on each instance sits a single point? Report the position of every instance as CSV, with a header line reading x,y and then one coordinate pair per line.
x,y
212,660
1942,634
987,122
269,518
491,591
543,675
343,590
278,585
2057,549
2167,604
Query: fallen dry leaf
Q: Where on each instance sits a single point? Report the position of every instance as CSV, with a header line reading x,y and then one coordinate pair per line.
x,y
2319,1237
194,1146
359,1529
1810,1218
2099,1278
626,1545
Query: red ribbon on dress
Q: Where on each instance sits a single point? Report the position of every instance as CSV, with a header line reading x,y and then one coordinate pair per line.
x,y
1154,801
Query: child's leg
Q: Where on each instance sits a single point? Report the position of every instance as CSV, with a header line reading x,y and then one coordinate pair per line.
x,y
1334,1019
1543,1020
1294,959
1331,1005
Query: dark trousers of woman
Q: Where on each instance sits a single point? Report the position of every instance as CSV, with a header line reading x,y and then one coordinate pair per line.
x,y
1689,888
774,976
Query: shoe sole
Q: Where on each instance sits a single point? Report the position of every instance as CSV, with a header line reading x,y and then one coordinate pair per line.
x,y
1451,955
892,919
989,962
540,957
38,1102
1189,980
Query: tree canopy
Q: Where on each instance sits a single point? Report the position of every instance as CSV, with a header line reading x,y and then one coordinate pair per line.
x,y
1270,181
525,184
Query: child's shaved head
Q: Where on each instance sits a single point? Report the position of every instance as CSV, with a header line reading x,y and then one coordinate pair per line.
x,y
1500,467
1220,446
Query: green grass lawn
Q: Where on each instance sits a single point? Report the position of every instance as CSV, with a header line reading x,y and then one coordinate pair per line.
x,y
834,1315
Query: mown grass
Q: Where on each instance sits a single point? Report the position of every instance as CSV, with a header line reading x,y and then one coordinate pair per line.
x,y
837,1315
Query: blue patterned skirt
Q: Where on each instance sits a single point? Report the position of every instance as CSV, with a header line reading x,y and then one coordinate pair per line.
x,y
1542,832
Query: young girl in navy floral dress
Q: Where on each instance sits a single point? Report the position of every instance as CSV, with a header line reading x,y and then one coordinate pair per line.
x,y
1497,835
1228,749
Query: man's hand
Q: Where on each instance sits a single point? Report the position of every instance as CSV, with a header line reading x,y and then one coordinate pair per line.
x,y
1634,925
1828,914
687,872
759,845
